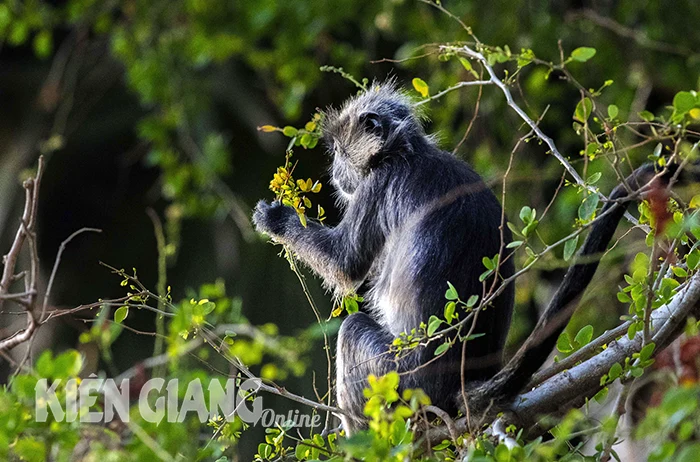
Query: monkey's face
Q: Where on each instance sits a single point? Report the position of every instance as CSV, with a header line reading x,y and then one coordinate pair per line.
x,y
353,145
368,129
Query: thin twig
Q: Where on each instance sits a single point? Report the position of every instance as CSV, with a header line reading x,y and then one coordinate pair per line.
x,y
57,262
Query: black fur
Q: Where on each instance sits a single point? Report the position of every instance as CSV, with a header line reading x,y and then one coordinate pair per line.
x,y
415,217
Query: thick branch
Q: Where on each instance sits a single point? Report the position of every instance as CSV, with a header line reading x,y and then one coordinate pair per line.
x,y
583,381
570,388
26,232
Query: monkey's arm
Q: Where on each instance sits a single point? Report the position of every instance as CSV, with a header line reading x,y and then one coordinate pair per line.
x,y
342,256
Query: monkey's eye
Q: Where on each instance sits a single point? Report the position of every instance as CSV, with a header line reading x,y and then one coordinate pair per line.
x,y
371,123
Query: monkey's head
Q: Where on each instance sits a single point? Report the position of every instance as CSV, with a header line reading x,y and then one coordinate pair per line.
x,y
370,128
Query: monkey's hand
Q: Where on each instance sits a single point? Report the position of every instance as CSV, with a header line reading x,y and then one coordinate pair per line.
x,y
274,219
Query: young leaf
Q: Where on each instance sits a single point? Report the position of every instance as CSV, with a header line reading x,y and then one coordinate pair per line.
x,y
564,343
593,179
647,351
583,110
570,248
121,314
588,207
451,293
615,371
583,54
584,336
484,275
683,102
433,324
450,311
289,131
420,86
488,263
646,115
442,348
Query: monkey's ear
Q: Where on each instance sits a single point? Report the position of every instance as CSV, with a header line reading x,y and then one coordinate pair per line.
x,y
371,123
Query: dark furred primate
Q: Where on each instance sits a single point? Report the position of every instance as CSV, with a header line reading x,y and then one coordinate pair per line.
x,y
415,218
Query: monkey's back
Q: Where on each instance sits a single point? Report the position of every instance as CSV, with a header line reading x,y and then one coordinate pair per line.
x,y
441,221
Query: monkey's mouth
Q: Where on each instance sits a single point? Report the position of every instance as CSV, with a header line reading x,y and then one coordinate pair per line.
x,y
344,180
343,190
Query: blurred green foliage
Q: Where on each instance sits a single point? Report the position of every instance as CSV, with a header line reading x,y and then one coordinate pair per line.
x,y
634,62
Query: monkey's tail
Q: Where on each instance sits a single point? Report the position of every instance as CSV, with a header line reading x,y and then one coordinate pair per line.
x,y
511,380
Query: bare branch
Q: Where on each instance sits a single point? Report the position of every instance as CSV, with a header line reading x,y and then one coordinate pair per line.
x,y
57,262
583,381
26,232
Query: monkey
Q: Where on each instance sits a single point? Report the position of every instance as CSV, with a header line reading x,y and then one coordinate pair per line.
x,y
416,217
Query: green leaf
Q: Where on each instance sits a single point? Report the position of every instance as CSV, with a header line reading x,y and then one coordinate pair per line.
x,y
121,314
615,371
683,102
451,293
433,324
647,351
526,214
693,259
421,87
43,44
445,443
45,365
351,305
514,229
450,311
265,450
593,179
68,364
613,111
564,343
623,297
583,54
647,116
488,263
601,396
442,348
570,248
527,230
584,336
473,336
466,63
290,131
588,207
484,275
583,110
471,301
30,449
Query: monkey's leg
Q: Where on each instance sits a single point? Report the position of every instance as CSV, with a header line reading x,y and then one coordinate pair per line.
x,y
363,347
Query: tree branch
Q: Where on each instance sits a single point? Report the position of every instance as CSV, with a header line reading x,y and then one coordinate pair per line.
x,y
26,232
